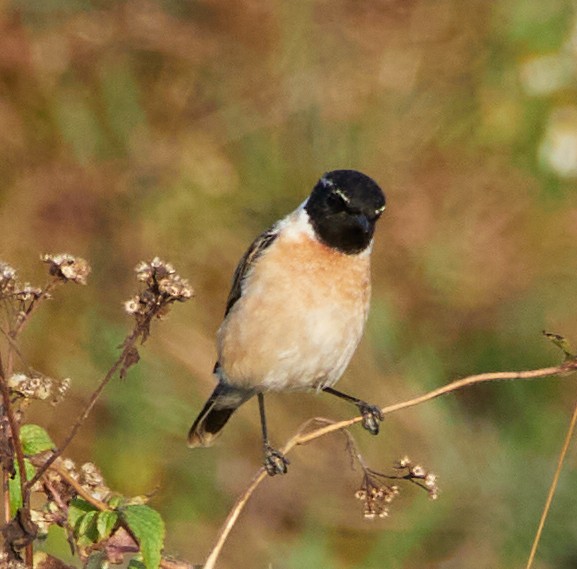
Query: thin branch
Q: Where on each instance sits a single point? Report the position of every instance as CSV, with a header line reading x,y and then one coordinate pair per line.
x,y
23,319
13,345
564,368
304,435
80,490
232,517
128,346
17,446
552,488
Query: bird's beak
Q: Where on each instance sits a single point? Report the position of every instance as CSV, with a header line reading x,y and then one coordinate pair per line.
x,y
363,223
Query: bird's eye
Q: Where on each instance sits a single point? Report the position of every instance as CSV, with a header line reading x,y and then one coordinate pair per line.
x,y
379,211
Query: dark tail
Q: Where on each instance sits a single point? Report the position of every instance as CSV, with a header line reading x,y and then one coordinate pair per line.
x,y
223,402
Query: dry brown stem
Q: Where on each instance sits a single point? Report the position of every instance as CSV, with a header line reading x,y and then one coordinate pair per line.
x,y
552,489
304,435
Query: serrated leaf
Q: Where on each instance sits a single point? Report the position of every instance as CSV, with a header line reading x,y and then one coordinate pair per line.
x,y
105,523
86,532
14,485
147,527
77,509
35,439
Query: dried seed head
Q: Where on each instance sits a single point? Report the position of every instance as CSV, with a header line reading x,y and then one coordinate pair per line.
x,y
35,387
28,293
70,466
7,273
67,267
375,496
7,563
418,471
92,480
132,306
62,388
430,480
163,287
404,462
7,279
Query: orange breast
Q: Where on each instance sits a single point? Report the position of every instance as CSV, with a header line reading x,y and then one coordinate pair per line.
x,y
300,317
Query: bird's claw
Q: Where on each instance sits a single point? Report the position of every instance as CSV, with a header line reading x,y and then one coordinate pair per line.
x,y
275,462
372,416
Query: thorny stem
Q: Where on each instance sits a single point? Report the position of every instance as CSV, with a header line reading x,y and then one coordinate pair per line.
x,y
304,435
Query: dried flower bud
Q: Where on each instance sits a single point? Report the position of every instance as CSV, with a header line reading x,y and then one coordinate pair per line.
x,y
7,563
28,293
7,279
67,267
418,471
70,466
163,287
132,306
376,496
404,462
35,387
61,390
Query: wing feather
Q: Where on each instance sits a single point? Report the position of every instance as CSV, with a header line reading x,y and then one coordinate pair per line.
x,y
263,241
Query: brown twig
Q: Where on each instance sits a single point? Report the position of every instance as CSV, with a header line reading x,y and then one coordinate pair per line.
x,y
128,347
304,435
552,488
80,490
7,372
16,444
23,319
232,517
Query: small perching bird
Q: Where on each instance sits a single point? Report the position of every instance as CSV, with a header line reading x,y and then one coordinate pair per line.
x,y
297,308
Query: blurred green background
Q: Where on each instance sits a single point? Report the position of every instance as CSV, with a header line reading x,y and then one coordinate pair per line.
x,y
178,128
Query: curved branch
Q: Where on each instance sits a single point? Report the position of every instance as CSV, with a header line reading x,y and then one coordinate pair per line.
x,y
304,435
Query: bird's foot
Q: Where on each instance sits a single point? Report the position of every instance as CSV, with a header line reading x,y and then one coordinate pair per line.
x,y
275,462
372,417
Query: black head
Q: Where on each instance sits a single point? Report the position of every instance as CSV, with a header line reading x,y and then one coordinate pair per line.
x,y
343,209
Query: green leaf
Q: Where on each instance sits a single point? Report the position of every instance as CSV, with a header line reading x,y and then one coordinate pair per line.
x,y
82,520
148,528
35,439
14,485
105,523
562,343
115,501
77,509
86,529
136,564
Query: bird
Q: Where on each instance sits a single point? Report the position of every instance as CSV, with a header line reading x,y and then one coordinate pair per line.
x,y
297,308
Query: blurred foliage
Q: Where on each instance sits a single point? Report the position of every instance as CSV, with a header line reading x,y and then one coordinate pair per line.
x,y
183,128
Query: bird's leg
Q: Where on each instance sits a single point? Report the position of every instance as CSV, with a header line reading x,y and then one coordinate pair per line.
x,y
275,461
372,414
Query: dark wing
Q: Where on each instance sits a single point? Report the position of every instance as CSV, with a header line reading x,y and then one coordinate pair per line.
x,y
263,241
